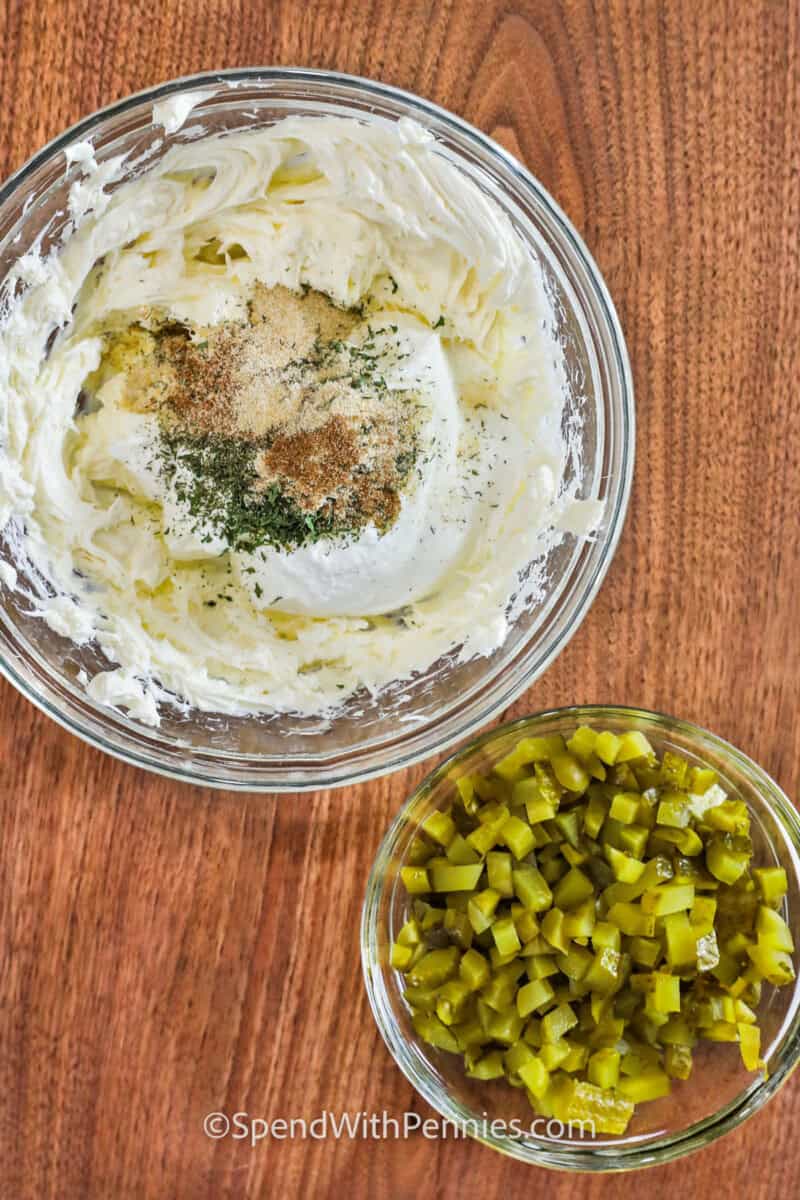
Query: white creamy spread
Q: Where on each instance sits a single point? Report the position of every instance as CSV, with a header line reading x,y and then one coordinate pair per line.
x,y
353,210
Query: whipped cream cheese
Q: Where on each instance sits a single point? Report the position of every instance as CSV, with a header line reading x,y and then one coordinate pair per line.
x,y
369,214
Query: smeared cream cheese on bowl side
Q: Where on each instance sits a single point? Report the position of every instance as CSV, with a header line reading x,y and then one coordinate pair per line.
x,y
299,431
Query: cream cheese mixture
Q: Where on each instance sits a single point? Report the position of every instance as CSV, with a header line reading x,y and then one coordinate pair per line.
x,y
282,419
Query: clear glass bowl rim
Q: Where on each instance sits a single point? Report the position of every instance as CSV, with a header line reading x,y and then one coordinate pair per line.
x,y
210,770
628,1157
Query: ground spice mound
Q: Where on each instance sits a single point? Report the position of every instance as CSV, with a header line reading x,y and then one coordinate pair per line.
x,y
320,469
294,400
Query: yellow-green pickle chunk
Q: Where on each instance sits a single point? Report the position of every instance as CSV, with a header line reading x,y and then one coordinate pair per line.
x,y
582,915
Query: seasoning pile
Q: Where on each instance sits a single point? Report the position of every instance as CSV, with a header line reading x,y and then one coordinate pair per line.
x,y
280,430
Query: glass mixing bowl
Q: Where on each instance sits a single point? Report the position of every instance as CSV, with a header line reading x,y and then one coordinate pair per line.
x,y
720,1093
450,700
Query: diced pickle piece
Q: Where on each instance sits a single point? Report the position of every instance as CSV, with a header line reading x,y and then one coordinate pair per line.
x,y
487,833
607,747
400,956
542,967
481,909
646,951
535,1076
583,741
441,827
772,930
604,1110
725,862
626,869
419,852
460,852
456,923
572,889
450,1001
498,872
533,995
633,745
649,1084
605,935
674,772
505,936
666,992
505,1027
604,975
532,888
673,810
558,1022
701,779
516,1057
678,1061
773,965
553,1054
415,880
491,1066
580,922
570,772
681,940
750,1046
772,883
603,1068
518,836
707,950
669,898
446,877
434,967
630,919
702,914
625,807
730,816
474,970
553,929
432,1030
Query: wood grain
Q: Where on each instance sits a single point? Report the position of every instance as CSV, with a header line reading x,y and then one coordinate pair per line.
x,y
167,951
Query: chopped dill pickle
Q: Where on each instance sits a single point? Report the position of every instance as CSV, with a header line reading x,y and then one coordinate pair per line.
x,y
603,1068
491,1066
431,1030
772,882
505,936
625,807
448,878
474,970
649,1084
518,836
531,888
586,913
498,870
441,827
633,745
570,772
726,861
678,1061
460,853
607,747
533,995
606,1109
415,880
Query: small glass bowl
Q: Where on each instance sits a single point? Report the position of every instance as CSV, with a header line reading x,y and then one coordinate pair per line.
x,y
720,1093
371,735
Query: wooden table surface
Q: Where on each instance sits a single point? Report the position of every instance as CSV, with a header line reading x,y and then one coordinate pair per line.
x,y
167,951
